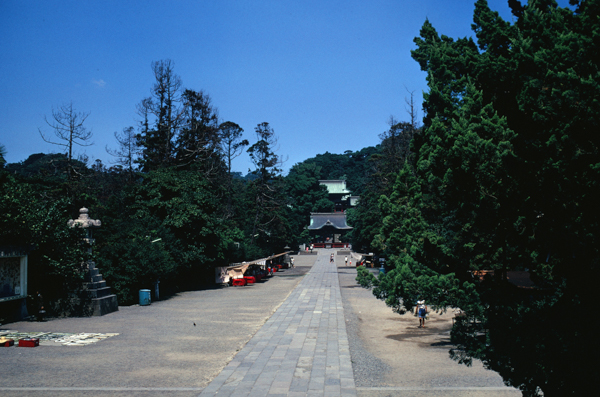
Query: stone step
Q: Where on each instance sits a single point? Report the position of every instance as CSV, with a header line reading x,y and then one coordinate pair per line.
x,y
96,278
106,304
95,285
99,293
102,301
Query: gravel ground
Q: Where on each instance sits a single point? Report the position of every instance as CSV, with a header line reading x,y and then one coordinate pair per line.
x,y
160,352
158,346
369,370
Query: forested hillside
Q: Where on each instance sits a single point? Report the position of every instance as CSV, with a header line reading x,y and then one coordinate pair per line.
x,y
169,223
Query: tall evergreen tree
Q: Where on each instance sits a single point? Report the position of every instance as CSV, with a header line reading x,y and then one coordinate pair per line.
x,y
162,115
198,142
232,143
269,226
231,147
505,177
2,154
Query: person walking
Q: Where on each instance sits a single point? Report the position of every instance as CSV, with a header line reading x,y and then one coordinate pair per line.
x,y
421,311
345,261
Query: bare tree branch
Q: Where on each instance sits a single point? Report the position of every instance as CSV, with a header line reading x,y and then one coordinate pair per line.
x,y
67,126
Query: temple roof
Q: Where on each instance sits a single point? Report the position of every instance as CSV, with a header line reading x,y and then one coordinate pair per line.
x,y
335,186
320,220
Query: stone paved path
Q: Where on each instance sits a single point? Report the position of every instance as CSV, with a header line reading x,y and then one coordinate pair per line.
x,y
302,350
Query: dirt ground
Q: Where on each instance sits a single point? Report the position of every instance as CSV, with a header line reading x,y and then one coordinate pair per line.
x,y
392,356
159,351
173,347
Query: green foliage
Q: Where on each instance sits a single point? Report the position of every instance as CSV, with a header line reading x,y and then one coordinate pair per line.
x,y
504,177
267,225
365,278
161,113
354,167
198,141
46,167
262,153
185,213
365,220
130,261
305,195
34,221
168,225
384,167
232,143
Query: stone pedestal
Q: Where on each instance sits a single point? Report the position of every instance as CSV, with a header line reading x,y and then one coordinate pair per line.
x,y
103,301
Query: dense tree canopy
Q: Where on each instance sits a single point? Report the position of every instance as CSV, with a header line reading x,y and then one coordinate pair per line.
x,y
170,219
354,167
34,219
505,178
305,195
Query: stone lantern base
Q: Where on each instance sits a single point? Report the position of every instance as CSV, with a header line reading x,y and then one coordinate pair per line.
x,y
103,301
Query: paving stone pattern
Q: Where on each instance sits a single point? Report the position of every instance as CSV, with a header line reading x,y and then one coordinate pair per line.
x,y
302,350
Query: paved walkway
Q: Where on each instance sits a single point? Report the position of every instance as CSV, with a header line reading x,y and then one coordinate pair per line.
x,y
302,350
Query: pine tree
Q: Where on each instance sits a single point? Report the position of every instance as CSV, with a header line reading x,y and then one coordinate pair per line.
x,y
269,227
198,142
162,115
505,177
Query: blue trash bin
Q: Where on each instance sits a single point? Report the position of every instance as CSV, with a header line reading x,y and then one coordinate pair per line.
x,y
381,270
144,297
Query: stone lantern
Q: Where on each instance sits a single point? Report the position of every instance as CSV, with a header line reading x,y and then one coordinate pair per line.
x,y
84,221
103,301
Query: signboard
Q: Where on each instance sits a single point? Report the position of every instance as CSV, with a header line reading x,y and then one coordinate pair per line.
x,y
13,277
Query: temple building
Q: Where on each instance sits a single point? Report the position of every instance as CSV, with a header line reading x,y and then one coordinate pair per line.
x,y
328,228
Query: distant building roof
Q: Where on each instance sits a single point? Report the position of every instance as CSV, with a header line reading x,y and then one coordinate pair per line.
x,y
335,186
336,220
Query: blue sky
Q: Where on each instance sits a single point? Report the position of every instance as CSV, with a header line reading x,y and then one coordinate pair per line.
x,y
326,75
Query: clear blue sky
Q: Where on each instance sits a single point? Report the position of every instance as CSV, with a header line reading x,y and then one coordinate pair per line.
x,y
326,75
